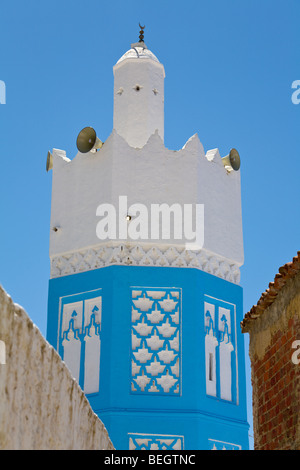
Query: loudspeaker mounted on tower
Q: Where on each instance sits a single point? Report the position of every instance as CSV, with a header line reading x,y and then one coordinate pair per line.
x,y
87,141
232,161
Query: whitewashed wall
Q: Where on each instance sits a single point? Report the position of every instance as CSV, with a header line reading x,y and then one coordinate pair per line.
x,y
41,405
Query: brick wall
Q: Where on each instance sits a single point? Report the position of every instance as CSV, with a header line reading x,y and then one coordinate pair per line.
x,y
275,381
275,377
41,405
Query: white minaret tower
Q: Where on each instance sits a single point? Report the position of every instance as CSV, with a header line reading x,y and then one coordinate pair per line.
x,y
144,296
138,95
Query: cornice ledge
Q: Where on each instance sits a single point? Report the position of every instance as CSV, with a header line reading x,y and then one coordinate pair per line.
x,y
129,254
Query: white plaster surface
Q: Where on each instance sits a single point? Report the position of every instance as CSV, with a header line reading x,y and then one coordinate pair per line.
x,y
151,175
137,52
226,349
135,163
138,99
41,405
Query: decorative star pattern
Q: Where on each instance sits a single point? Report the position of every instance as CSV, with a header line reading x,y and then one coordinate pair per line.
x,y
156,341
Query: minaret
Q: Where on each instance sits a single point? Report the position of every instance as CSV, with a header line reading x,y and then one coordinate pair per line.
x,y
138,95
144,297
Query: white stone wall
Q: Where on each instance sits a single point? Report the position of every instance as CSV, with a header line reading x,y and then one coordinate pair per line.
x,y
41,405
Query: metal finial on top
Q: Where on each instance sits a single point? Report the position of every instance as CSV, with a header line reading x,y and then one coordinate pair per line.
x,y
141,41
141,33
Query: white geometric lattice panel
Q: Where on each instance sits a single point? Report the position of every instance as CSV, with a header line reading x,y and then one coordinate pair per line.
x,y
155,442
156,341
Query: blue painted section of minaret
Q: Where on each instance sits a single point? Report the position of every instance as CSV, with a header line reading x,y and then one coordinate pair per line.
x,y
154,394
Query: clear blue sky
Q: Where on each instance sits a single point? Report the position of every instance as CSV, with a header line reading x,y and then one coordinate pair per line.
x,y
229,68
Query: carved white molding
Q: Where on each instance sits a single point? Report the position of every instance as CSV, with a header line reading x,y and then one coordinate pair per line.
x,y
129,254
81,323
222,445
219,322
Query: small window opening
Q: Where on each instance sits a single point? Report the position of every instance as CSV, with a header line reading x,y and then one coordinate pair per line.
x,y
210,367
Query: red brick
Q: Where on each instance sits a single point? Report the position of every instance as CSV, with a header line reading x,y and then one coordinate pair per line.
x,y
276,385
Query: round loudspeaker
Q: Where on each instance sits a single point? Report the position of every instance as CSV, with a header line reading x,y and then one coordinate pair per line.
x,y
234,159
49,162
86,139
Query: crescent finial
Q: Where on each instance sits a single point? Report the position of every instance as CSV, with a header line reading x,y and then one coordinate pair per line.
x,y
141,33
